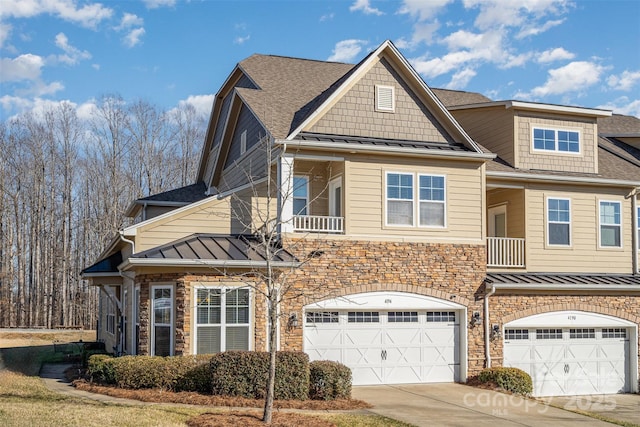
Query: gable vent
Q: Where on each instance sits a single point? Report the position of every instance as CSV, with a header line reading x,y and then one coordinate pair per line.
x,y
385,98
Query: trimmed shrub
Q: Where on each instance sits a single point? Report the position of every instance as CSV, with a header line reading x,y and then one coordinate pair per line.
x,y
135,372
329,380
245,373
100,368
511,379
195,374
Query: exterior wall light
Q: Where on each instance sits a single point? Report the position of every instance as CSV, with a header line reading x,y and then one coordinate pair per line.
x,y
495,332
475,319
292,322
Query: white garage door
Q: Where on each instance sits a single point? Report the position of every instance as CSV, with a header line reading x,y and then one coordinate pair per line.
x,y
387,347
570,361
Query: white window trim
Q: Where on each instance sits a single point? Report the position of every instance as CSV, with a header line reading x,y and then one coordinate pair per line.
x,y
223,289
638,226
386,199
547,222
383,109
110,317
135,317
308,198
172,326
619,203
444,202
555,150
243,142
336,182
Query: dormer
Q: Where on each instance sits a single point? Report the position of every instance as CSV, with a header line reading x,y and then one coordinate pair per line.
x,y
534,136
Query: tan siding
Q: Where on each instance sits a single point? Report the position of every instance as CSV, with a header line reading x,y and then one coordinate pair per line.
x,y
583,256
365,198
514,200
493,128
211,217
585,162
355,114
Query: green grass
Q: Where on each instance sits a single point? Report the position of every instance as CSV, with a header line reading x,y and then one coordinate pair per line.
x,y
352,420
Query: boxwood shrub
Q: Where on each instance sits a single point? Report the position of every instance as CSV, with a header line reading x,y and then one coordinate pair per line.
x,y
511,379
245,373
329,380
100,368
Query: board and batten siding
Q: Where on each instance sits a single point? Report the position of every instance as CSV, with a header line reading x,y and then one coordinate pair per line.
x,y
211,217
355,113
249,168
584,162
255,131
365,198
584,254
492,127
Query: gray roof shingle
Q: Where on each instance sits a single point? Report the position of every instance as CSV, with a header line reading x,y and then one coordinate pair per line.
x,y
188,194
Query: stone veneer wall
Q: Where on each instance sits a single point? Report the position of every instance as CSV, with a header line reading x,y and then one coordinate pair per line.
x,y
452,272
505,308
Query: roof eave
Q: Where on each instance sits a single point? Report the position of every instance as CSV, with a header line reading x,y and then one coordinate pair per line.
x,y
241,264
399,151
561,178
532,106
566,287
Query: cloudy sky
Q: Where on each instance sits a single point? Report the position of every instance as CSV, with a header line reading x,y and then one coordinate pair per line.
x,y
581,52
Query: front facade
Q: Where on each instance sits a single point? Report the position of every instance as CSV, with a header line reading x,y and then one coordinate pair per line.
x,y
425,234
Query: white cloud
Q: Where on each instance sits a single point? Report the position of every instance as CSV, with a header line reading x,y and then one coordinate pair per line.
x,y
461,79
327,17
365,7
154,4
5,31
95,67
557,54
346,50
514,13
624,81
623,105
129,20
24,67
421,9
573,77
241,40
133,37
535,28
72,55
202,103
87,15
39,88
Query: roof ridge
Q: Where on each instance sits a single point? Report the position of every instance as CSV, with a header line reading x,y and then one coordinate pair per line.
x,y
297,58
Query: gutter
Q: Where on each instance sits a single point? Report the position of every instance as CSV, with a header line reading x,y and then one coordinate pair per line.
x,y
162,262
561,178
487,327
401,151
124,239
568,287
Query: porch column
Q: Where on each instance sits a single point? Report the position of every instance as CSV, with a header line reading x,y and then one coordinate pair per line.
x,y
285,193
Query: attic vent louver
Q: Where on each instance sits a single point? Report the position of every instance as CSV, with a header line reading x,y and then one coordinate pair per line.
x,y
385,98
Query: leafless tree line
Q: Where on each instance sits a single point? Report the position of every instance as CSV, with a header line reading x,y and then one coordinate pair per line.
x,y
65,182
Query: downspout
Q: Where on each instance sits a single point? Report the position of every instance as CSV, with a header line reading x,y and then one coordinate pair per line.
x,y
487,327
124,239
121,343
634,233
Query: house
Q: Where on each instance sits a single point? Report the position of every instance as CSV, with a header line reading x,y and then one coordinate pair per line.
x,y
441,232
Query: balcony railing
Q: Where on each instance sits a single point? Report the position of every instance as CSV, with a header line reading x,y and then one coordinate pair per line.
x,y
505,252
318,224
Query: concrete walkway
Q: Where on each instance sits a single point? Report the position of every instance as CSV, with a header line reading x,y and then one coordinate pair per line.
x,y
459,405
620,407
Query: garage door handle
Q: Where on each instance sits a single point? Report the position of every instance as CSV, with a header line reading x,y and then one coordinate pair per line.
x,y
383,354
566,368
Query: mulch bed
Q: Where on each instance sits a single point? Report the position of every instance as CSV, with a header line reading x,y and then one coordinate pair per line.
x,y
192,398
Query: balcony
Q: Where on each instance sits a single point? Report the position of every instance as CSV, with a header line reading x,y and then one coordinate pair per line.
x,y
505,252
318,224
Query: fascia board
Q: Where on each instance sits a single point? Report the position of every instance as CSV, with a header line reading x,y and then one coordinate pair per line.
x,y
562,287
561,178
329,146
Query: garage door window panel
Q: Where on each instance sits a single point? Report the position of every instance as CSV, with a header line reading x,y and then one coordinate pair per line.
x,y
582,333
548,334
363,317
322,317
614,333
402,317
441,316
516,334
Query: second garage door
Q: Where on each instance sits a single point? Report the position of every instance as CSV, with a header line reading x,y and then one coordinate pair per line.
x,y
387,347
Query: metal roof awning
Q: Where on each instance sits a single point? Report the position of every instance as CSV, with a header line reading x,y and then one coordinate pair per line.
x,y
561,281
105,267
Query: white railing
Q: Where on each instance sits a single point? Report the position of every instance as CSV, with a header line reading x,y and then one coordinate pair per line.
x,y
505,252
318,224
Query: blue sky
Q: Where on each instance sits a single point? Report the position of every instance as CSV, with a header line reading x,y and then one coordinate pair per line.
x,y
168,52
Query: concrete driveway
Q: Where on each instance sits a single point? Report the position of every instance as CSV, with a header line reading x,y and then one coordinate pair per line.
x,y
620,407
460,405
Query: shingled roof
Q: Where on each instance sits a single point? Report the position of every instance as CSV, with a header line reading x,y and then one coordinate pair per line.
x,y
188,194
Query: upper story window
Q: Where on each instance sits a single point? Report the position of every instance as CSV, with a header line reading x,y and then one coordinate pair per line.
x,y
432,203
400,199
638,227
243,142
557,140
610,225
558,222
430,194
385,98
301,195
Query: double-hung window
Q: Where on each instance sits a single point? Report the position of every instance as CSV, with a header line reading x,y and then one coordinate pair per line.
x,y
610,225
400,199
432,202
563,141
222,319
558,222
638,227
111,316
300,195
